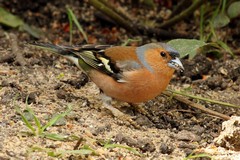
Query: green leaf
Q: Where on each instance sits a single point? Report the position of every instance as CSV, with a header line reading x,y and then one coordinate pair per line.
x,y
234,9
186,46
9,19
36,33
220,20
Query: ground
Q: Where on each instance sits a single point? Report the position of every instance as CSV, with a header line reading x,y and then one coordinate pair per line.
x,y
52,83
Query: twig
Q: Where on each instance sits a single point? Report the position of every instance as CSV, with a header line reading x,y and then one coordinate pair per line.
x,y
183,14
161,33
195,105
129,25
237,52
113,15
16,50
116,10
205,99
80,140
180,5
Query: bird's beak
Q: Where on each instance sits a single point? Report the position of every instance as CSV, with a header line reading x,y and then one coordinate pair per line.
x,y
176,64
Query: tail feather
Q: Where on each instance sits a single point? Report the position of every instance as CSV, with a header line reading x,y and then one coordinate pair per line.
x,y
53,48
61,50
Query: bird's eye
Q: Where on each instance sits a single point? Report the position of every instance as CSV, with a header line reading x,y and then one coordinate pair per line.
x,y
163,54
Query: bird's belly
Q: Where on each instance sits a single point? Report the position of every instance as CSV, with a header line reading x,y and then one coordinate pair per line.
x,y
133,92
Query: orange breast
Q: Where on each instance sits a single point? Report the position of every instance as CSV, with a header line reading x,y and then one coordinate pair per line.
x,y
141,85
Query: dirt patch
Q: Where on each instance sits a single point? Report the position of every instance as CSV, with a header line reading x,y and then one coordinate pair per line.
x,y
51,83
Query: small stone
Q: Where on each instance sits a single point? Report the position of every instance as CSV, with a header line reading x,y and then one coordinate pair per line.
x,y
188,151
8,58
5,83
224,85
166,148
187,145
101,129
125,139
32,97
214,82
144,121
235,74
11,153
62,94
145,145
236,88
185,135
223,71
197,129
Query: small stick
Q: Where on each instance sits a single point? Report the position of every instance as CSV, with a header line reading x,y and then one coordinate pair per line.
x,y
196,4
195,105
205,99
17,51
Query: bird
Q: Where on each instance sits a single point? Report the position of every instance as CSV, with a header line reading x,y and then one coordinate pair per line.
x,y
126,73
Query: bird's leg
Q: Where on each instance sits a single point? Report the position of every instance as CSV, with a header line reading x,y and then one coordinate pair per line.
x,y
117,113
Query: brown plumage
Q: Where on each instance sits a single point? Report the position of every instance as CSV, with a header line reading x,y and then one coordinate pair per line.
x,y
130,74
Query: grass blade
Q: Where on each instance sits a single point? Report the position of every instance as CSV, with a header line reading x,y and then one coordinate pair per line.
x,y
27,123
55,119
225,47
86,150
36,120
74,19
58,137
70,27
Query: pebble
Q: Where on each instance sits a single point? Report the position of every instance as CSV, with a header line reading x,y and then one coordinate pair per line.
x,y
32,97
187,145
166,148
145,145
185,135
143,121
102,129
198,129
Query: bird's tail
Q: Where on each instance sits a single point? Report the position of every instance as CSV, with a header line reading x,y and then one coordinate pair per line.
x,y
65,51
51,47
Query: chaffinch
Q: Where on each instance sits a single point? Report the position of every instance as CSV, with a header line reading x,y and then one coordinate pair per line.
x,y
126,73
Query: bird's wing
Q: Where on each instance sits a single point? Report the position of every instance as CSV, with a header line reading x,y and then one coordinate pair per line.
x,y
110,60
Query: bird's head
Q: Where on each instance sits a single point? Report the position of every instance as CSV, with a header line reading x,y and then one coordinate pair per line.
x,y
159,56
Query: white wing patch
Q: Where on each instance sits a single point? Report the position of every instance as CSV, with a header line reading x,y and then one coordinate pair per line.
x,y
105,62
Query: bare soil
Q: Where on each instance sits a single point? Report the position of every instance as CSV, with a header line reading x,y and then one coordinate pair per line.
x,y
52,83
